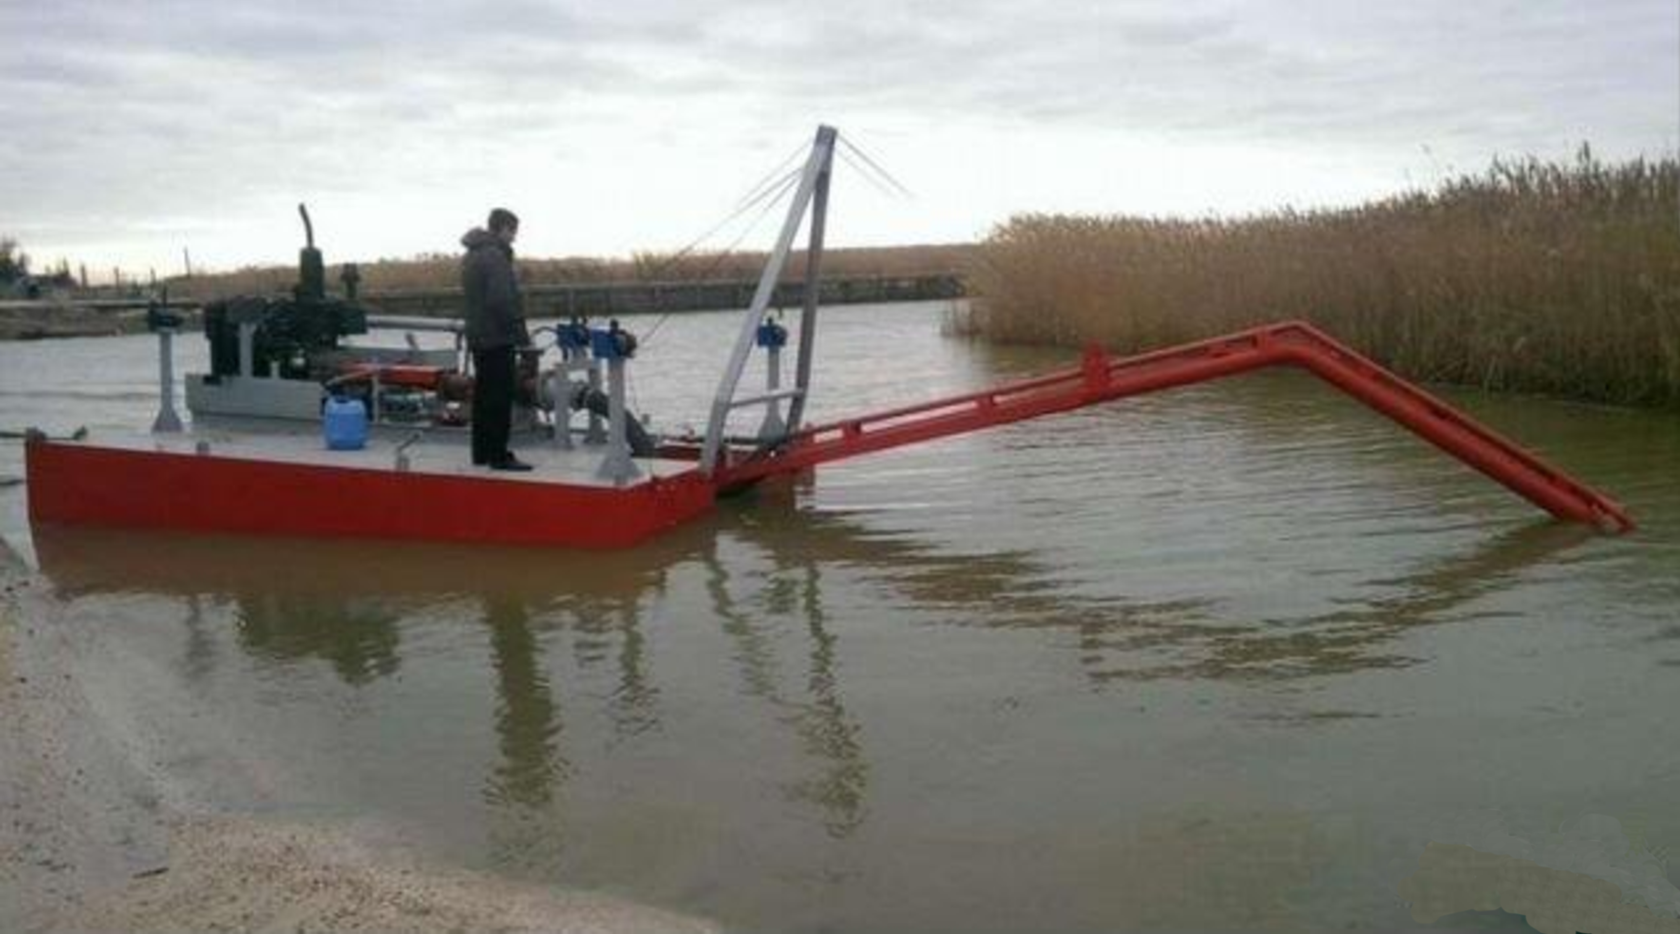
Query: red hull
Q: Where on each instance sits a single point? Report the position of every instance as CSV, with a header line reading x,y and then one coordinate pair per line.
x,y
85,484
76,484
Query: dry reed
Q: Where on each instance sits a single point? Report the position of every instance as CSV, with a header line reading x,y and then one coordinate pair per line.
x,y
443,271
1541,277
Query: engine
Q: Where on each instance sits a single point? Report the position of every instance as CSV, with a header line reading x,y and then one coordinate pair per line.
x,y
291,335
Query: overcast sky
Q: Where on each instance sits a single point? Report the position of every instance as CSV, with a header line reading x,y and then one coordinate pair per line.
x,y
130,129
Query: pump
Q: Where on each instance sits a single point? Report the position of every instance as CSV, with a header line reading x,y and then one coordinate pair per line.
x,y
283,337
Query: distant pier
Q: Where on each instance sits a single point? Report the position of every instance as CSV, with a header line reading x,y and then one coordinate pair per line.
x,y
72,316
605,299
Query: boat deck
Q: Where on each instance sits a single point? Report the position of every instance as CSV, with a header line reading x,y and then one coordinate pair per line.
x,y
435,454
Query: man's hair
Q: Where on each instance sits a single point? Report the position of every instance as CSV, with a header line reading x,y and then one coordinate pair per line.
x,y
503,219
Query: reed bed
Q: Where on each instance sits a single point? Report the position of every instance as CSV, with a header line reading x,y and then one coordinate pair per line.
x,y
443,271
1557,278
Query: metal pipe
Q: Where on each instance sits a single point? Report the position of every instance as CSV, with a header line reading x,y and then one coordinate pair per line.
x,y
409,323
772,428
558,389
247,352
402,463
1100,379
617,466
596,432
766,397
813,292
167,421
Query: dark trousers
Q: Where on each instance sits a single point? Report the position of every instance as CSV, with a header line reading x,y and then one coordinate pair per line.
x,y
492,410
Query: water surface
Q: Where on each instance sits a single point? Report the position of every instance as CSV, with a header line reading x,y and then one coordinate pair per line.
x,y
1222,658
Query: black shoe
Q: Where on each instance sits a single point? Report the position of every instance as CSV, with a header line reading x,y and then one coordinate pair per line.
x,y
509,463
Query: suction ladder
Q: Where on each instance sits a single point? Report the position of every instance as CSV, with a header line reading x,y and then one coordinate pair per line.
x,y
1102,379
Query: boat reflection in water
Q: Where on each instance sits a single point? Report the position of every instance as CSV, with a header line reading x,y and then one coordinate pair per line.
x,y
345,603
769,676
350,604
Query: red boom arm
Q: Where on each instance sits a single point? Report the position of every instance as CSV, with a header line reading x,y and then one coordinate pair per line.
x,y
1100,379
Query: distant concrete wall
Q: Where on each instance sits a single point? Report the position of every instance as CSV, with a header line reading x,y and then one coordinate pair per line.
x,y
599,300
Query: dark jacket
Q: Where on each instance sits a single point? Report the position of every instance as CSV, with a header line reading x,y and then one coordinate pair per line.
x,y
495,312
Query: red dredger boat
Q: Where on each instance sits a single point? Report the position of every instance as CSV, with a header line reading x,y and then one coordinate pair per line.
x,y
254,460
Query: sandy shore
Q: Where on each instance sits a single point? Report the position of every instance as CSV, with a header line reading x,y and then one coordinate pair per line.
x,y
95,837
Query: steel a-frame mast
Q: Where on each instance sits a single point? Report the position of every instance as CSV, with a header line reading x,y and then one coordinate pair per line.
x,y
812,194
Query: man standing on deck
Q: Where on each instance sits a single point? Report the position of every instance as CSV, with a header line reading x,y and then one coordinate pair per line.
x,y
495,326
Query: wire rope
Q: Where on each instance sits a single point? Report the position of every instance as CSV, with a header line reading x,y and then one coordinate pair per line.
x,y
777,194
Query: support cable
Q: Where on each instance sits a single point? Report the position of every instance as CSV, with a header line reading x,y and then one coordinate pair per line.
x,y
874,181
743,208
777,194
770,178
888,176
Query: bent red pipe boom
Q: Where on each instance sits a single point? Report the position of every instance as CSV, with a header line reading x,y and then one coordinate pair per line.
x,y
1101,379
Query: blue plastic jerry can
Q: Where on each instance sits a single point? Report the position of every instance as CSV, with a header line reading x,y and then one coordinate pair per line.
x,y
344,421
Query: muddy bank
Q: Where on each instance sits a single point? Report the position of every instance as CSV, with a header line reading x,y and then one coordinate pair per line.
x,y
97,834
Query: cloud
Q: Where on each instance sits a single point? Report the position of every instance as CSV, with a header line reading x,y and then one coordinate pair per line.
x,y
120,113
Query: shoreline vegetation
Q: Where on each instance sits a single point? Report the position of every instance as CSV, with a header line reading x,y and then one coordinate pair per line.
x,y
1560,279
64,310
1554,278
443,270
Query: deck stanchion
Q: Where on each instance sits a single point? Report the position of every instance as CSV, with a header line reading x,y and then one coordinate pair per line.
x,y
168,420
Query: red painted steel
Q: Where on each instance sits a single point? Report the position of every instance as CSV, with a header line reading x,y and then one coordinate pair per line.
x,y
1100,379
395,374
77,483
84,484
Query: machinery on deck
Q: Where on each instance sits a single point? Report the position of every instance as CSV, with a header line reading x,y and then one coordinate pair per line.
x,y
281,358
